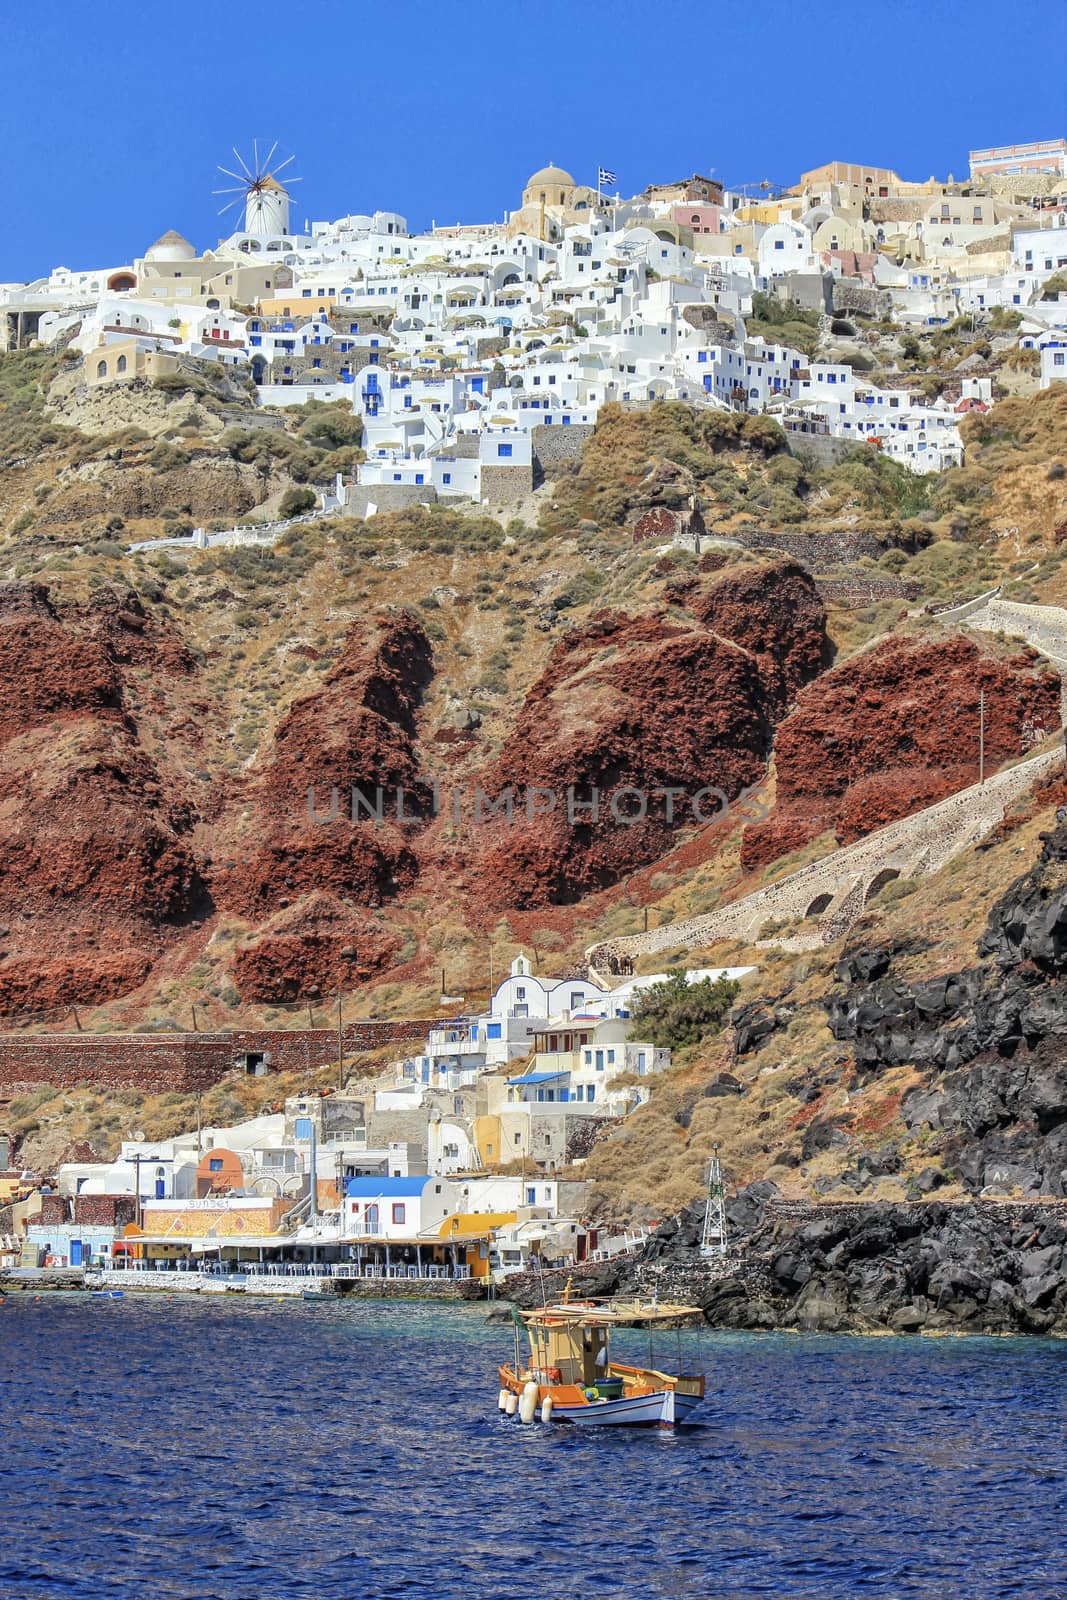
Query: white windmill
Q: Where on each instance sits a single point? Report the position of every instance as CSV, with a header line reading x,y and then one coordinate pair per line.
x,y
266,200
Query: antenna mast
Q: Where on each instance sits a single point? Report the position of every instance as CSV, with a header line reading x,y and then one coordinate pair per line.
x,y
713,1238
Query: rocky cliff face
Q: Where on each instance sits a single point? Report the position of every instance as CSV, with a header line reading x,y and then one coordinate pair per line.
x,y
632,707
988,1039
870,1268
930,1267
896,729
96,864
307,844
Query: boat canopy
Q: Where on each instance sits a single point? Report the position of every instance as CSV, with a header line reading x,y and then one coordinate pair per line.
x,y
614,1314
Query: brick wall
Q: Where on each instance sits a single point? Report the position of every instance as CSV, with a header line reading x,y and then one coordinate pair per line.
x,y
168,1062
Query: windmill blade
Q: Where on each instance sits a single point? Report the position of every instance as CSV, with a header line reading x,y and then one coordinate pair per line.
x,y
270,152
236,176
240,189
241,160
282,165
255,158
228,207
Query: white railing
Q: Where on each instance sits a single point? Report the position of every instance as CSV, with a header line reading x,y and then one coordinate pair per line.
x,y
245,1273
623,1244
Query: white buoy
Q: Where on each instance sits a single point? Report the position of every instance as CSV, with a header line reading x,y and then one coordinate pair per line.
x,y
547,1408
512,1405
528,1403
502,1399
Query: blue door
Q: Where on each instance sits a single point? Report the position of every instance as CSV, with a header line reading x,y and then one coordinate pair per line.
x,y
75,1252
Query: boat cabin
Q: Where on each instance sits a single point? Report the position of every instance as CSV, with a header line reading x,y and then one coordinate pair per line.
x,y
568,1351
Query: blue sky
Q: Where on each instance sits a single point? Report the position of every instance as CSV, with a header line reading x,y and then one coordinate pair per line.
x,y
113,120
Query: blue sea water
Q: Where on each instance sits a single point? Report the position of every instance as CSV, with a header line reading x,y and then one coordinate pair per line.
x,y
157,1449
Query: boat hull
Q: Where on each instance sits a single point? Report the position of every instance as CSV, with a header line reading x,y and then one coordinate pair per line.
x,y
666,1404
663,1409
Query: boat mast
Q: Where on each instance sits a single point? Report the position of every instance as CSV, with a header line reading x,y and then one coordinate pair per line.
x,y
713,1237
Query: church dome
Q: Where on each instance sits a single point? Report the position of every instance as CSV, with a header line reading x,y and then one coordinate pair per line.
x,y
171,247
549,187
551,175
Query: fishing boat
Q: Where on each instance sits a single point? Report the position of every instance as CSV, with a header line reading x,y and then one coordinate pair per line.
x,y
570,1375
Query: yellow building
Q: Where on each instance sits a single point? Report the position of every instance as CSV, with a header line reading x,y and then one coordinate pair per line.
x,y
123,360
788,208
472,1232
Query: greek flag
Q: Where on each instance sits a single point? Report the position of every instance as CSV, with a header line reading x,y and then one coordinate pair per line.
x,y
604,178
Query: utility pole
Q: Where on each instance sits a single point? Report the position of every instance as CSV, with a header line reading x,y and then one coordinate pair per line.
x,y
340,1048
195,1028
199,1139
981,736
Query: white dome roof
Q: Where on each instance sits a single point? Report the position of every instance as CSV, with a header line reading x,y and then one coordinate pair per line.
x,y
171,247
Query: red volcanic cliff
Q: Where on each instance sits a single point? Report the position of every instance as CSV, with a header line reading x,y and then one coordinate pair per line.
x,y
320,947
896,729
305,837
95,864
643,704
776,613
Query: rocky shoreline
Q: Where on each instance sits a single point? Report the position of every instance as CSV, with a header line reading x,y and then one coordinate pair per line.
x,y
977,1267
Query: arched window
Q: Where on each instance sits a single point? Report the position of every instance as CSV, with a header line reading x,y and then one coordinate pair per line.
x,y
120,365
101,369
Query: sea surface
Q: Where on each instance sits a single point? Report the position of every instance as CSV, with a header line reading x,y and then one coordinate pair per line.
x,y
172,1449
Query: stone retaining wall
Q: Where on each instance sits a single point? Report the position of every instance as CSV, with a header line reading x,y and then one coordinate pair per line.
x,y
827,449
387,497
183,1062
552,446
502,486
852,594
850,294
816,551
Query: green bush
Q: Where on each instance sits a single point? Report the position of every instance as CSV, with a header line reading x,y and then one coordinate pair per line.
x,y
165,456
296,501
676,1013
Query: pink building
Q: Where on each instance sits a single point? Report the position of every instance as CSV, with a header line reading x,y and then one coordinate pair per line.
x,y
1046,155
701,218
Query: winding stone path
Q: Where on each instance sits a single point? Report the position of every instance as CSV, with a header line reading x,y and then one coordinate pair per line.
x,y
832,892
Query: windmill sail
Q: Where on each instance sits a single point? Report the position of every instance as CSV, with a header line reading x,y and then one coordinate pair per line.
x,y
258,187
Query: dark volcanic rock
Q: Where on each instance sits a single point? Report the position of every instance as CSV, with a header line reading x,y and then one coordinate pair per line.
x,y
989,1038
977,1267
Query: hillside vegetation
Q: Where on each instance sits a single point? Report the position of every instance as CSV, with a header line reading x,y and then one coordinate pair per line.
x,y
183,702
